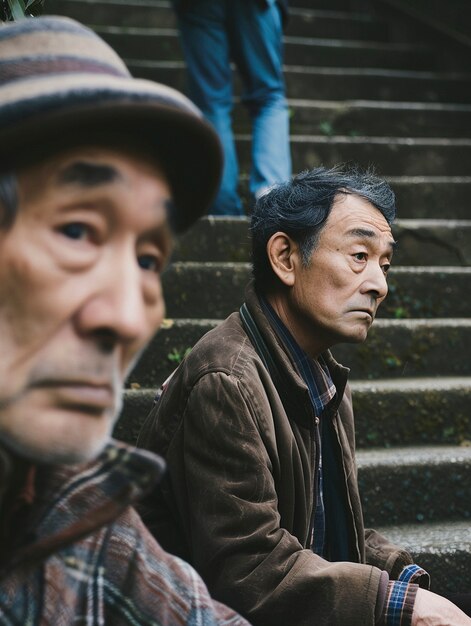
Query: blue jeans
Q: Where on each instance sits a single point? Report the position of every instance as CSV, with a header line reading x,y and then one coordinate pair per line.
x,y
214,33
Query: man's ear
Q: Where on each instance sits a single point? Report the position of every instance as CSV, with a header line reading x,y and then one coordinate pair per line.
x,y
283,255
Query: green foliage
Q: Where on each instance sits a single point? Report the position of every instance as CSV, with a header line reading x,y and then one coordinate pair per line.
x,y
327,128
176,356
12,10
400,312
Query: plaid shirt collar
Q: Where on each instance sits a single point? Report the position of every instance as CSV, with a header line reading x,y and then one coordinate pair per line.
x,y
64,510
314,372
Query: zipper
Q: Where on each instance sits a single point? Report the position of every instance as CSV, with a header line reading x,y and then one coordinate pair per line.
x,y
315,470
349,502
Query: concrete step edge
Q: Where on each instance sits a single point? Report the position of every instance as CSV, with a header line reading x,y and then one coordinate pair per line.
x,y
410,269
210,220
165,4
375,71
409,323
413,223
294,11
428,180
153,31
404,222
438,142
445,536
357,44
341,15
418,385
371,105
351,71
413,456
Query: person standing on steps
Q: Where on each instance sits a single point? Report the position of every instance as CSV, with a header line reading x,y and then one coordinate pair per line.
x,y
257,425
249,33
92,194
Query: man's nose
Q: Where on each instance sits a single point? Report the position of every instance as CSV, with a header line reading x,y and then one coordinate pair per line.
x,y
376,282
118,308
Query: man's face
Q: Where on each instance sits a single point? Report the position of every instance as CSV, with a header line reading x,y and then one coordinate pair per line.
x,y
80,296
336,297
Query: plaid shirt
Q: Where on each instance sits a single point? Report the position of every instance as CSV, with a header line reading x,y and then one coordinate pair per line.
x,y
86,558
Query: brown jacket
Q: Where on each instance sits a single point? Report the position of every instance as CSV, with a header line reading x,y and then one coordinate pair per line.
x,y
238,497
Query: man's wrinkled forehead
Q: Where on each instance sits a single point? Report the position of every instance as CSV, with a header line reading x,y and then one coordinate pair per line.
x,y
370,234
87,169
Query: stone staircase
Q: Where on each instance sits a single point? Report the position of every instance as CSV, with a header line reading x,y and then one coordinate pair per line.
x,y
358,92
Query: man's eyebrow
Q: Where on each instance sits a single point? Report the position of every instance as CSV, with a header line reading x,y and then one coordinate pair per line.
x,y
365,232
87,174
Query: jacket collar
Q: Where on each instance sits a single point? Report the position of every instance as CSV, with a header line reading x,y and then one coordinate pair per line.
x,y
293,390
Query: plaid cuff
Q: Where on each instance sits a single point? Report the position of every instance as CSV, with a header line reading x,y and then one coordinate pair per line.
x,y
415,574
399,603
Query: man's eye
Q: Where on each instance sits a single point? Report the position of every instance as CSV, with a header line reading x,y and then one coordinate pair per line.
x,y
360,256
75,230
149,263
385,268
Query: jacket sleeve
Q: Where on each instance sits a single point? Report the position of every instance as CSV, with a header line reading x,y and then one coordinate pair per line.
x,y
223,471
384,554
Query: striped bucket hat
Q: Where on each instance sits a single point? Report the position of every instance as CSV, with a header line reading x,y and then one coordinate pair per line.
x,y
60,84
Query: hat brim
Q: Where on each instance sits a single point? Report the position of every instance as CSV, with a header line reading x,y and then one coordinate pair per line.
x,y
185,146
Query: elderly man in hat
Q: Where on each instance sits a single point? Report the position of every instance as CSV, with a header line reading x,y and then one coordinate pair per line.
x,y
91,164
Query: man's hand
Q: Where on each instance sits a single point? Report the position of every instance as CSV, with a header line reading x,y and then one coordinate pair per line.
x,y
431,609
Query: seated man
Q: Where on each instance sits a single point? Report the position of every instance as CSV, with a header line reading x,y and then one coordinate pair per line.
x,y
257,425
97,171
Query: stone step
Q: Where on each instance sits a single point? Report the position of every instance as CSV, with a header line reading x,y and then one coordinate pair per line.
x,y
443,549
330,83
213,290
150,13
404,412
162,44
442,197
415,484
412,411
392,156
336,25
337,5
113,6
372,118
344,83
410,348
357,53
426,241
395,349
137,404
159,14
